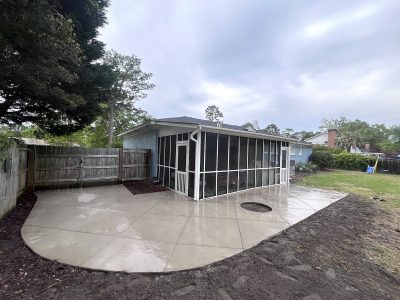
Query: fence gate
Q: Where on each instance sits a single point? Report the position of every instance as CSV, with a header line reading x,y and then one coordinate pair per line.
x,y
73,165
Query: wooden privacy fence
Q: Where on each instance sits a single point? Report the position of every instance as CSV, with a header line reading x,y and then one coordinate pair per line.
x,y
13,174
57,166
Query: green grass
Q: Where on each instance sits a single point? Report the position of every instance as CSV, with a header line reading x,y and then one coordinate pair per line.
x,y
367,185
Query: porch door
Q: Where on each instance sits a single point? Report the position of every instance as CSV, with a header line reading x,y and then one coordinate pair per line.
x,y
182,158
284,164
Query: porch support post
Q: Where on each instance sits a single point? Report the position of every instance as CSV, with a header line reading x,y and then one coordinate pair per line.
x,y
197,163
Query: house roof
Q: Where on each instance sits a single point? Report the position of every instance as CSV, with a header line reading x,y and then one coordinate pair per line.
x,y
317,135
194,123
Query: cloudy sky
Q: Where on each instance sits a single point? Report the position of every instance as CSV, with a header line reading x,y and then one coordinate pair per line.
x,y
291,63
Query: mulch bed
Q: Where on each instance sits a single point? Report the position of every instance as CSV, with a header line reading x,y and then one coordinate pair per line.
x,y
143,187
320,257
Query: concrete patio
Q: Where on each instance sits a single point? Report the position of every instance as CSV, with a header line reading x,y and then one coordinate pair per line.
x,y
109,228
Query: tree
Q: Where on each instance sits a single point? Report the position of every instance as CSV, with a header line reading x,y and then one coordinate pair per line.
x,y
288,132
332,123
48,54
272,129
129,85
348,139
213,114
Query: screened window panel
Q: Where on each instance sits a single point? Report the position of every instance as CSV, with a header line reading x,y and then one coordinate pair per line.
x,y
167,150
173,150
211,151
233,181
201,186
259,153
277,176
182,158
191,185
222,183
179,137
192,154
162,150
251,179
209,185
265,181
223,152
243,153
252,153
266,163
172,179
202,152
166,176
242,180
158,149
278,154
258,178
284,159
161,179
234,153
271,176
185,136
273,154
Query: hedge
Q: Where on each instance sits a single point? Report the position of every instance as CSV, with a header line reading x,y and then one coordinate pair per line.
x,y
352,161
322,159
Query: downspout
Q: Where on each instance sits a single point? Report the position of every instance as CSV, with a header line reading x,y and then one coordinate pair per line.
x,y
197,163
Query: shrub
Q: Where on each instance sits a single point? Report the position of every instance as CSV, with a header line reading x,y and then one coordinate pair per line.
x,y
323,159
326,148
306,168
352,161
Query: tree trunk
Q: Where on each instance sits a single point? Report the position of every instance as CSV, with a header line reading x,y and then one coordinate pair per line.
x,y
110,125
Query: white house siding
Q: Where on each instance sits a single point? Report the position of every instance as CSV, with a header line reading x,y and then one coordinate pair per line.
x,y
321,139
147,140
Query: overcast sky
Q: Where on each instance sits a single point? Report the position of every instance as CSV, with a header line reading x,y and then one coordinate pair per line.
x,y
285,62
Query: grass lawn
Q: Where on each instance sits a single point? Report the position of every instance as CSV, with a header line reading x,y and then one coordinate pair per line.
x,y
368,185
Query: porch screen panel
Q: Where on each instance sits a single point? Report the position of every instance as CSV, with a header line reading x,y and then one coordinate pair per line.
x,y
259,154
191,185
234,153
266,160
252,153
243,153
209,185
242,180
211,151
233,181
222,152
162,150
192,154
173,150
259,177
167,150
273,154
222,183
202,152
251,179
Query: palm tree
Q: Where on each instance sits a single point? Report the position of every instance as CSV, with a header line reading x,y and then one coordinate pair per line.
x,y
348,139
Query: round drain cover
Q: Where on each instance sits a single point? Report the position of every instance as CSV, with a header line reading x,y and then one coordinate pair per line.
x,y
256,206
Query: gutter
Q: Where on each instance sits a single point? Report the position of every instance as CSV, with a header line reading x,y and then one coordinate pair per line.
x,y
197,162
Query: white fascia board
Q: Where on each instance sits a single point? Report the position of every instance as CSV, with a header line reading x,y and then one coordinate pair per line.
x,y
246,134
131,132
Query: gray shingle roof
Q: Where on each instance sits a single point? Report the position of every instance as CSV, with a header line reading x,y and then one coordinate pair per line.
x,y
189,120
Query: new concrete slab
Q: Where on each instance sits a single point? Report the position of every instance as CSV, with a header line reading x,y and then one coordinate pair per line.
x,y
109,228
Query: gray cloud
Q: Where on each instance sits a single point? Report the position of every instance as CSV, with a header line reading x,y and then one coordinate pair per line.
x,y
288,62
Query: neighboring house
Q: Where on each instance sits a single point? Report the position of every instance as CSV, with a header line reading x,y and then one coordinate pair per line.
x,y
329,139
197,158
300,152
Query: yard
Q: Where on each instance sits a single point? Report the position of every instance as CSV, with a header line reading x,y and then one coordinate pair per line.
x,y
384,189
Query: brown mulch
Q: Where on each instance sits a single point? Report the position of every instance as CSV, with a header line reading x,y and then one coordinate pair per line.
x,y
143,187
322,257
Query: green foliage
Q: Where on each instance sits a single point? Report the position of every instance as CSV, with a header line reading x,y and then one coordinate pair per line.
x,y
48,53
306,167
353,161
272,129
328,149
323,159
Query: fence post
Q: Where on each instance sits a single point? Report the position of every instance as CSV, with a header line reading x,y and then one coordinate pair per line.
x,y
30,182
120,165
148,163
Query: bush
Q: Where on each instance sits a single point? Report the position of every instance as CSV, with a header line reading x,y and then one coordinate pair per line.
x,y
327,149
323,159
353,161
306,168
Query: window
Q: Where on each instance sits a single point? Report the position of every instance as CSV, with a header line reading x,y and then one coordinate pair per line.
x,y
250,179
299,150
259,178
292,150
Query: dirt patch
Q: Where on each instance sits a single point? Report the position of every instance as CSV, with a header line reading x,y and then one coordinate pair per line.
x,y
323,256
143,187
256,207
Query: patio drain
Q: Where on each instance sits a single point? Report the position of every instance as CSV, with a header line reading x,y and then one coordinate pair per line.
x,y
256,206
